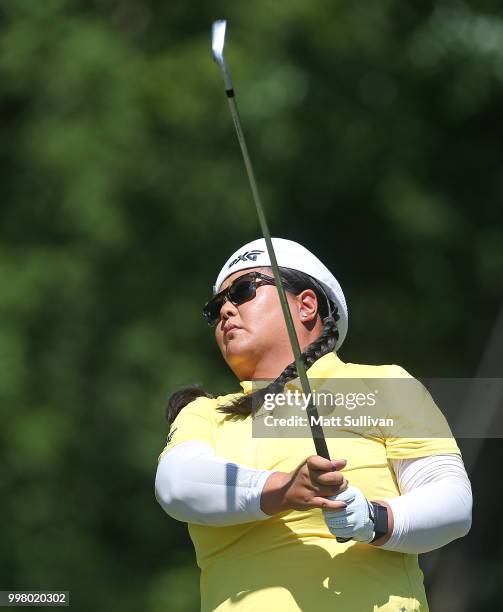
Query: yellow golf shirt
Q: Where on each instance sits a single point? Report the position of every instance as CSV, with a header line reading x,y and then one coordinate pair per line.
x,y
291,561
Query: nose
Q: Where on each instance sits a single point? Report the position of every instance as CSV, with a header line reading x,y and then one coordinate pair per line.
x,y
228,309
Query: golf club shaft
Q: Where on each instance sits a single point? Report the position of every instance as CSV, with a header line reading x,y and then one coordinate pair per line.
x,y
312,413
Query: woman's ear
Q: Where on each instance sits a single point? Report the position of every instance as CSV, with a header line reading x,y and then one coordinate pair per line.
x,y
307,304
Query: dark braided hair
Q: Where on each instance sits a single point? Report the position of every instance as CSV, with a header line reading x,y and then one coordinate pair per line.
x,y
325,343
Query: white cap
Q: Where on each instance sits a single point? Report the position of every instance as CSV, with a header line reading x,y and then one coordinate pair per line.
x,y
292,255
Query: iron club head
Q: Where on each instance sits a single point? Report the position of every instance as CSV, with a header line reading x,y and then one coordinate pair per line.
x,y
217,48
218,39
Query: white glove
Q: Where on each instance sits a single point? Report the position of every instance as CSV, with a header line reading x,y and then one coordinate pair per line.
x,y
355,521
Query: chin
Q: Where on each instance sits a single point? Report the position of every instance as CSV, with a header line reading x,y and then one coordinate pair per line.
x,y
237,355
234,350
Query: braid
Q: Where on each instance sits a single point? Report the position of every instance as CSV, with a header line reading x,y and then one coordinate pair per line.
x,y
324,344
326,341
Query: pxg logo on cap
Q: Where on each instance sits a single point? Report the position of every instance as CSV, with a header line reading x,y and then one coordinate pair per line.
x,y
247,255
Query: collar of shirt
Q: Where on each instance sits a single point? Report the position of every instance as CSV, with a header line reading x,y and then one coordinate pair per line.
x,y
322,368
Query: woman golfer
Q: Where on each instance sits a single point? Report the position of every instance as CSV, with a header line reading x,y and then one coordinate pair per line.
x,y
274,526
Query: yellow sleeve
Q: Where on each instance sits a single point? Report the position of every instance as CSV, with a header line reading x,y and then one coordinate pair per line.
x,y
421,429
194,422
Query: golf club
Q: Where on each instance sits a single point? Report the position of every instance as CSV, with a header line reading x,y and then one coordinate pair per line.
x,y
217,47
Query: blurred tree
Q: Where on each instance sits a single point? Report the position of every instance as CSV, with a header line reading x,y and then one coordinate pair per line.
x,y
373,129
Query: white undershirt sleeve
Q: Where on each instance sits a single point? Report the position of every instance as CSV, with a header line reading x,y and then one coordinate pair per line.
x,y
434,508
435,505
195,486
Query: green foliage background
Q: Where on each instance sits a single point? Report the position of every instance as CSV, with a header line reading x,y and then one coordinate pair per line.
x,y
375,130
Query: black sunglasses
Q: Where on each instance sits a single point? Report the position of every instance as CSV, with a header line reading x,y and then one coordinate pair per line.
x,y
238,292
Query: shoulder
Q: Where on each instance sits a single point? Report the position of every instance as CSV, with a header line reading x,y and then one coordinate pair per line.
x,y
208,407
201,406
365,370
392,381
199,421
